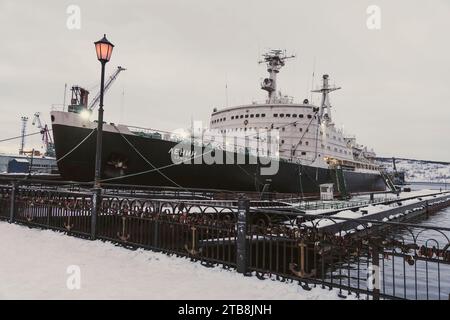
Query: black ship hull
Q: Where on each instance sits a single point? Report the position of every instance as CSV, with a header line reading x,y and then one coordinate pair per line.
x,y
122,164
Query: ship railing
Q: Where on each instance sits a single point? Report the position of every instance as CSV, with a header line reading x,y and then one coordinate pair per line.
x,y
198,141
57,107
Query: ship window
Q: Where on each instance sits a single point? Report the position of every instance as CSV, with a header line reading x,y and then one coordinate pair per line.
x,y
281,115
246,116
300,116
232,117
309,116
241,116
303,153
282,129
275,115
328,147
288,115
307,143
257,115
294,115
263,115
252,116
282,141
301,129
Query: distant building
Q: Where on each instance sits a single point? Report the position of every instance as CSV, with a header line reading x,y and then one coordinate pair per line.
x,y
18,166
40,164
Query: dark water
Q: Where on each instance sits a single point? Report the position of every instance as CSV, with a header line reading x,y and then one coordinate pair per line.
x,y
424,279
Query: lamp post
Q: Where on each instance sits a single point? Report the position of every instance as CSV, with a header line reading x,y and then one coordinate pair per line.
x,y
104,49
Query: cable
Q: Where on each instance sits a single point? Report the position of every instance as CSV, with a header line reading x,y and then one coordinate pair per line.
x,y
146,160
18,137
73,149
152,170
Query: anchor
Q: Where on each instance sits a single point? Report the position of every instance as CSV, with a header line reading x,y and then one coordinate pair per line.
x,y
193,251
122,236
29,217
293,266
67,225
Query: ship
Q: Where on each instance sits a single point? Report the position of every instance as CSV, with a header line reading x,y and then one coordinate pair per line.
x,y
276,146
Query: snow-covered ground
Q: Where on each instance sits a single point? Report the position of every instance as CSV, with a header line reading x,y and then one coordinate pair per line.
x,y
421,171
42,264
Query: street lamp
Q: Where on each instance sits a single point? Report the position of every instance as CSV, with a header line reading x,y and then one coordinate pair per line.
x,y
104,50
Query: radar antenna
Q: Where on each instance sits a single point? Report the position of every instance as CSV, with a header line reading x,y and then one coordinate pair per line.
x,y
274,59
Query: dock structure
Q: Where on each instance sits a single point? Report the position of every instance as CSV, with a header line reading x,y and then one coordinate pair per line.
x,y
338,244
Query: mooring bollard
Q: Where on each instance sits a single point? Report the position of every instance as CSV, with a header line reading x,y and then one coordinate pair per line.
x,y
96,202
241,243
13,207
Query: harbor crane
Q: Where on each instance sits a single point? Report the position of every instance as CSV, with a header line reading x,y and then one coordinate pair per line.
x,y
23,134
108,84
46,136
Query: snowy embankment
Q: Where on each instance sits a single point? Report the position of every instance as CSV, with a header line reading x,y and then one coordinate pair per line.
x,y
420,170
38,264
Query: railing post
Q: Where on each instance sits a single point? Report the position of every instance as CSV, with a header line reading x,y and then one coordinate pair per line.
x,y
375,277
13,207
241,243
96,202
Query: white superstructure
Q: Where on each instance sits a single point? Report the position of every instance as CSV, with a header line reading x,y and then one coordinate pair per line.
x,y
307,134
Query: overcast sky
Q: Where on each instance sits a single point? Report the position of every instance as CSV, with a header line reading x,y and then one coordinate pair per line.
x,y
180,54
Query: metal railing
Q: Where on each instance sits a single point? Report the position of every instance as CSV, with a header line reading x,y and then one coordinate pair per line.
x,y
378,259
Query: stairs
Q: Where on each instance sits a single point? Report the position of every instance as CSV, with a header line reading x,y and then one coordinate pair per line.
x,y
387,179
340,183
265,195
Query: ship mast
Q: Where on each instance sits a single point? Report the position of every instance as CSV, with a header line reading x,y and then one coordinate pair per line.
x,y
325,106
274,59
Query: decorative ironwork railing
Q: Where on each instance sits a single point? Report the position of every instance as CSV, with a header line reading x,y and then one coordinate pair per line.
x,y
369,258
